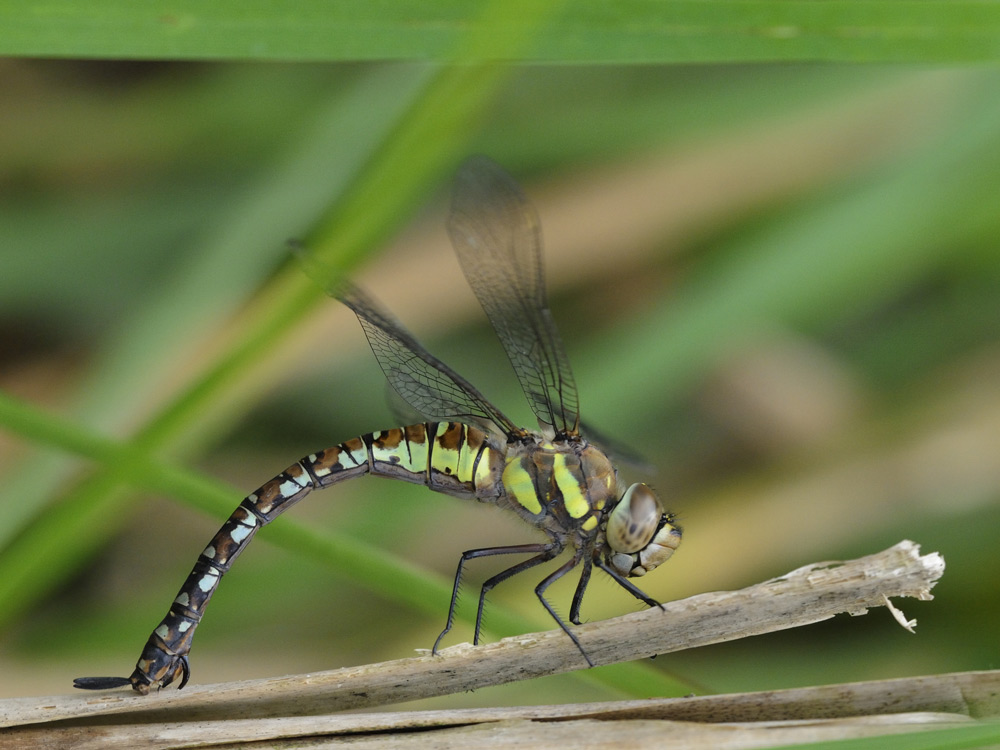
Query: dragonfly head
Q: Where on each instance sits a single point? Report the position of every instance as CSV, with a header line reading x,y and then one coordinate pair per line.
x,y
640,535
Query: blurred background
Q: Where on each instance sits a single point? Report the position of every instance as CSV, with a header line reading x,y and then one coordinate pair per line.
x,y
778,284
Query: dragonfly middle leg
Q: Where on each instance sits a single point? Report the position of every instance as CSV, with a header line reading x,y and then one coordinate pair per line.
x,y
552,578
581,588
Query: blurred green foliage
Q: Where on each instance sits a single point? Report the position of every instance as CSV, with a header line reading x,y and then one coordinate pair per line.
x,y
585,31
796,321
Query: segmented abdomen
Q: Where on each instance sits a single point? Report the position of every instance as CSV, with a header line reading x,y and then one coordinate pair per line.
x,y
449,457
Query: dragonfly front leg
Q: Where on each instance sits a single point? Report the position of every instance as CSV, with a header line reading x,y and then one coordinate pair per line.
x,y
546,552
626,584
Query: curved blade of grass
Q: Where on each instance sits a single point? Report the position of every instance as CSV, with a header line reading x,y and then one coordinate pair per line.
x,y
592,31
133,366
411,150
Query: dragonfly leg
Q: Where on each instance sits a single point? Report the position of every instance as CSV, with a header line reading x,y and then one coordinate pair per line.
x,y
546,553
626,584
581,588
540,592
485,552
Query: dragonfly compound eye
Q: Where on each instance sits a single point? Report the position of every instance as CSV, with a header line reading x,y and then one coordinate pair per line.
x,y
634,520
640,535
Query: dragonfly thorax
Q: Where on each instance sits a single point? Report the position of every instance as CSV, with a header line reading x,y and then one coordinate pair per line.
x,y
639,535
561,485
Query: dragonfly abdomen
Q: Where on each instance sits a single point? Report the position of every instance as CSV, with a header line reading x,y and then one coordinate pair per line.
x,y
164,657
449,457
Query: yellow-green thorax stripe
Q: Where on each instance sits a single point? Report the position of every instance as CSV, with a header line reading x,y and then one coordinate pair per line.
x,y
570,486
520,485
565,481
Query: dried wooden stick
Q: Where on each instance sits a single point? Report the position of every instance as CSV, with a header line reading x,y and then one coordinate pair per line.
x,y
450,731
806,595
738,720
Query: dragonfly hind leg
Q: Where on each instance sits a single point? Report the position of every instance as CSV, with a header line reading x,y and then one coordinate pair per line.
x,y
544,553
547,552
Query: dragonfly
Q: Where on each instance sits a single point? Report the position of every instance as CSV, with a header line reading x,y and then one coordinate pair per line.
x,y
552,477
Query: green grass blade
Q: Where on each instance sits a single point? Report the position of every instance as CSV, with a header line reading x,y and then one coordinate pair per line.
x,y
591,31
130,466
428,130
977,735
134,367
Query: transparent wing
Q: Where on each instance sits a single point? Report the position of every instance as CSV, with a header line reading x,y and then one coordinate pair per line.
x,y
421,379
619,453
497,238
